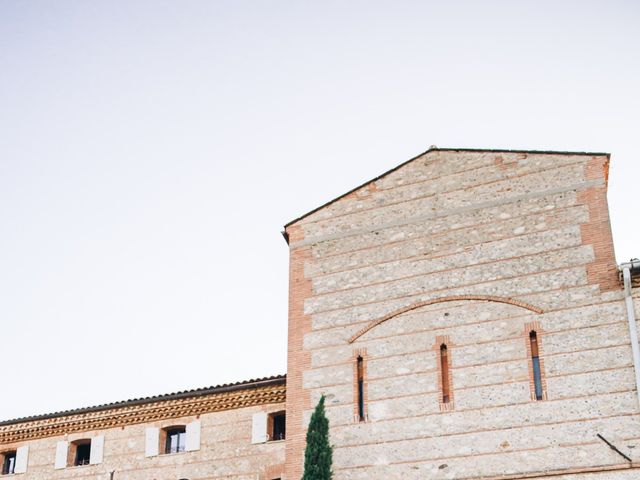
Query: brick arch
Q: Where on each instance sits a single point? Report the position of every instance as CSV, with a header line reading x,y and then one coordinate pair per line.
x,y
450,298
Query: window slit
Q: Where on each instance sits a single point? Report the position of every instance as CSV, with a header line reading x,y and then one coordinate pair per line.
x,y
444,369
535,361
360,373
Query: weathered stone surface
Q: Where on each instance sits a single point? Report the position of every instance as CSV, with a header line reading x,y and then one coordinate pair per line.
x,y
225,451
523,227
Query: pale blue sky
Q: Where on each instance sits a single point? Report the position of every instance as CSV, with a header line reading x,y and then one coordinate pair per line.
x,y
150,152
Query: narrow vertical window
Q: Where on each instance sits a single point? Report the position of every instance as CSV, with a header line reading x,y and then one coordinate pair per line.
x,y
360,373
359,385
444,371
535,362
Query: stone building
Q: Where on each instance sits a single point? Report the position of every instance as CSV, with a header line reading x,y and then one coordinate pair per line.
x,y
229,431
462,313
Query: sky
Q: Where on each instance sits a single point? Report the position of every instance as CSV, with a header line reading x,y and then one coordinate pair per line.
x,y
151,152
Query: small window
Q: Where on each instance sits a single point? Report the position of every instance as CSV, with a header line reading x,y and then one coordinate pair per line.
x,y
174,439
535,364
79,453
277,426
444,370
360,387
8,462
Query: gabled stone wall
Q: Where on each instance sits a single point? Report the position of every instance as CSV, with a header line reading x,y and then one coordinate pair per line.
x,y
457,227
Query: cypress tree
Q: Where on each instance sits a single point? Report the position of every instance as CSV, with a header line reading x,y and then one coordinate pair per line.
x,y
318,454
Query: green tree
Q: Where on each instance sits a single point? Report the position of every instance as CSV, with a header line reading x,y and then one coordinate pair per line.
x,y
318,454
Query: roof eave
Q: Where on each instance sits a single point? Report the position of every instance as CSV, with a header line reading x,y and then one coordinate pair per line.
x,y
225,388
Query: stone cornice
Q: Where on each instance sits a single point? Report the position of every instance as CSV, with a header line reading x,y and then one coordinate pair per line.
x,y
143,412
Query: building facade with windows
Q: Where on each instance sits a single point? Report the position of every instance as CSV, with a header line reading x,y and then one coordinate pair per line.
x,y
463,315
228,431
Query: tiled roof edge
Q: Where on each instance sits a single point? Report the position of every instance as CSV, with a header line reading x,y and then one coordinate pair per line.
x,y
227,387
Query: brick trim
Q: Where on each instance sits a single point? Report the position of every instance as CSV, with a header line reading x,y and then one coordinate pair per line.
x,y
602,271
448,298
360,352
444,340
298,359
528,328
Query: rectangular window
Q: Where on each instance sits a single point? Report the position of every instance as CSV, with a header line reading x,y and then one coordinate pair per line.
x,y
360,386
277,426
8,463
535,362
175,440
80,452
444,371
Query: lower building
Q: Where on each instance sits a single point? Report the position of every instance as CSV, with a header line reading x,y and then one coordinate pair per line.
x,y
228,431
462,314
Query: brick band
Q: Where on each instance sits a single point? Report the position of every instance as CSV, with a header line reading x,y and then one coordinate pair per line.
x,y
450,298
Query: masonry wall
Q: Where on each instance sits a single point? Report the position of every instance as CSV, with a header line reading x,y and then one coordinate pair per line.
x,y
226,452
507,243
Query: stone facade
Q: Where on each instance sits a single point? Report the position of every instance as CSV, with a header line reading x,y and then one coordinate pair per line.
x,y
222,419
473,250
478,291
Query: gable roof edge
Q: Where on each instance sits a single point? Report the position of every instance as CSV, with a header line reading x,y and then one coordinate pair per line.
x,y
433,149
295,220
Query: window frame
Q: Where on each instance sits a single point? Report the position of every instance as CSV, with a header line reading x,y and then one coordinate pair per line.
x,y
5,456
445,373
535,360
443,352
165,439
360,413
271,426
538,392
73,451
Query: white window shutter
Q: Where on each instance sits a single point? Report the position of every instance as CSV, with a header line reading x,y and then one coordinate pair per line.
x,y
193,436
97,450
152,442
62,449
259,428
22,458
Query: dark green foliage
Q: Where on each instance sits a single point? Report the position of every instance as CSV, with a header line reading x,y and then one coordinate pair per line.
x,y
318,454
